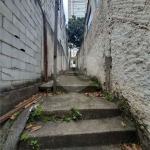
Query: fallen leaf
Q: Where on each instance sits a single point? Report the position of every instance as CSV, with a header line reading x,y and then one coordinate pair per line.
x,y
50,95
139,147
87,94
142,127
35,128
29,126
127,147
98,94
123,124
12,117
134,146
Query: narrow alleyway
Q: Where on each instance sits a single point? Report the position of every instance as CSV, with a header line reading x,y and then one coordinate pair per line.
x,y
104,104
79,119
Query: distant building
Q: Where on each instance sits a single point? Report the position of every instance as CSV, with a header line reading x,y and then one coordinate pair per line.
x,y
77,8
73,62
74,52
72,56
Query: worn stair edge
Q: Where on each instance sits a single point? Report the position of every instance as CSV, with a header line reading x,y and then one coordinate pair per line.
x,y
106,147
46,87
72,73
18,127
77,89
90,108
86,113
66,89
82,133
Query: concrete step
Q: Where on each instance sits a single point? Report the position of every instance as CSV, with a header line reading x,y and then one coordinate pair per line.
x,y
82,133
76,84
90,108
46,87
74,73
106,147
70,84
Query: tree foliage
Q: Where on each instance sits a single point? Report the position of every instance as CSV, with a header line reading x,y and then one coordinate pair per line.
x,y
75,30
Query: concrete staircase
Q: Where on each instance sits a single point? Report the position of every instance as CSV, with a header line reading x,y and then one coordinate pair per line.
x,y
99,129
74,72
70,83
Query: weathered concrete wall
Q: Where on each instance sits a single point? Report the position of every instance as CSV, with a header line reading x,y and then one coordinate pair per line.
x,y
21,42
118,53
22,48
61,54
49,9
130,51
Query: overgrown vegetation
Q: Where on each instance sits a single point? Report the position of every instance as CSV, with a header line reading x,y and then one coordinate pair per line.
x,y
53,118
34,145
67,119
107,95
96,83
24,137
121,104
59,92
98,86
36,114
76,115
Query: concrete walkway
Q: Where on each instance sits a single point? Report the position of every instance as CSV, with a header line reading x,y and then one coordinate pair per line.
x,y
100,128
69,83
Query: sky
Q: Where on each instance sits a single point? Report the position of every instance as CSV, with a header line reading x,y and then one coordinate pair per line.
x,y
66,9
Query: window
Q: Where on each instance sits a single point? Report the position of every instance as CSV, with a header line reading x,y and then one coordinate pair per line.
x,y
74,62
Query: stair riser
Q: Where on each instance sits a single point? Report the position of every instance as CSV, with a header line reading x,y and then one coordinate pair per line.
x,y
77,89
46,89
73,74
88,114
92,139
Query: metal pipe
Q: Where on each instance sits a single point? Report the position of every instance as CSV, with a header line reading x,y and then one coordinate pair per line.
x,y
45,49
55,47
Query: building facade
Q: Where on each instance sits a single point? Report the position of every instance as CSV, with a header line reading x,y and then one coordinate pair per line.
x,y
77,8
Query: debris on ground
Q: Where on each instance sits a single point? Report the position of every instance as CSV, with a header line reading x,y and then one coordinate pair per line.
x,y
35,128
12,117
123,124
29,126
132,146
95,94
25,104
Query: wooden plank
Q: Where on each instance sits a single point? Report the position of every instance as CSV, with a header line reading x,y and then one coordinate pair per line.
x,y
20,106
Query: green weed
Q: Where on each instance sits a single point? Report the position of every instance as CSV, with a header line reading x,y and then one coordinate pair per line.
x,y
59,92
53,118
24,137
76,115
34,144
67,119
107,95
98,86
36,114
